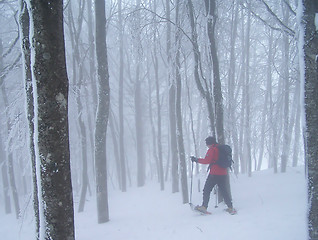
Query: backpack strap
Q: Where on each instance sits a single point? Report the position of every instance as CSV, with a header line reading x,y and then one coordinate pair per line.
x,y
210,165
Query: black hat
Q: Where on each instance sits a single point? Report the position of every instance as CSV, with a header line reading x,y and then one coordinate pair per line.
x,y
210,140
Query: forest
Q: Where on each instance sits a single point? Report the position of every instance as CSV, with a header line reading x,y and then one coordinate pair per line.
x,y
99,95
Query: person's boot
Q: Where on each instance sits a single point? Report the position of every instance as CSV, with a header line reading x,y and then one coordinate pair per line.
x,y
201,209
231,210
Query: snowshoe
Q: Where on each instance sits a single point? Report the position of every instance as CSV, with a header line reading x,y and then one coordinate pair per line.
x,y
231,211
202,210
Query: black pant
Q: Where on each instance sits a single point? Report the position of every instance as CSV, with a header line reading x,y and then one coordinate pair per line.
x,y
219,180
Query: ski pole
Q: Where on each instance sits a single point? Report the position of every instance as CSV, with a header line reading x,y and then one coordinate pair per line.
x,y
216,196
191,185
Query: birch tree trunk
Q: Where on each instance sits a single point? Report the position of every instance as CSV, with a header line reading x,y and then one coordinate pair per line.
x,y
102,113
50,88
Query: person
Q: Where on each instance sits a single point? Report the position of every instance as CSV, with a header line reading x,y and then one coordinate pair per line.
x,y
217,176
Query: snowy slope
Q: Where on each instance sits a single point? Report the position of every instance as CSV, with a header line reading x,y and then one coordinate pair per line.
x,y
271,207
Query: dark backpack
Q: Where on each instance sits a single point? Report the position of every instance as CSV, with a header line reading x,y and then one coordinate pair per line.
x,y
225,156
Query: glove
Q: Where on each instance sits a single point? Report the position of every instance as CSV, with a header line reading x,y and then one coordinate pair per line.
x,y
194,159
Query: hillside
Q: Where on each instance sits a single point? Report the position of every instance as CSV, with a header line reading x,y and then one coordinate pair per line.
x,y
270,206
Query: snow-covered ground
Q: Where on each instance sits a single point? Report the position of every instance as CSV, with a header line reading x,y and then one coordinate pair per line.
x,y
270,207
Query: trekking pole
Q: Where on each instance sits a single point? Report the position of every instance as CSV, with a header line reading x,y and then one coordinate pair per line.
x,y
190,202
216,196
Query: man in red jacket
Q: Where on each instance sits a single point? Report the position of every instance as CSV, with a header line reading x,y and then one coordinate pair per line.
x,y
217,176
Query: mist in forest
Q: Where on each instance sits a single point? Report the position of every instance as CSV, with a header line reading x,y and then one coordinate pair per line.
x,y
179,71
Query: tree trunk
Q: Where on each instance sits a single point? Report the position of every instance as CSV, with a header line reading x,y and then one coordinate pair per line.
x,y
141,170
121,100
172,110
183,165
232,128
13,186
9,164
311,109
92,68
247,128
210,6
159,131
24,22
265,114
75,31
3,161
50,87
5,181
202,87
285,68
102,113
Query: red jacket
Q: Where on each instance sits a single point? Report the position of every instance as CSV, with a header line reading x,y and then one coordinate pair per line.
x,y
212,156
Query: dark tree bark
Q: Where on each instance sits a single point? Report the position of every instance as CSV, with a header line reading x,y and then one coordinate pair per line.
x,y
102,113
25,42
311,109
200,81
50,88
210,6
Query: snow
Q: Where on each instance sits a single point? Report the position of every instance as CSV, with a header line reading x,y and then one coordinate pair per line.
x,y
270,206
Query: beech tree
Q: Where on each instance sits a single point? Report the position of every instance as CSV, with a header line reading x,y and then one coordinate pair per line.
x,y
311,109
102,113
51,138
24,21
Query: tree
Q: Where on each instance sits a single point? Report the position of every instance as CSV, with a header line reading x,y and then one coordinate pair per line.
x,y
286,90
201,82
141,168
78,82
3,161
121,101
50,92
102,112
24,21
180,141
311,109
158,103
210,6
172,109
246,94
